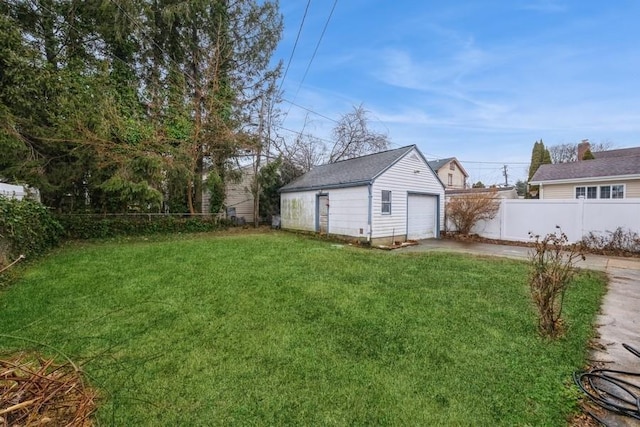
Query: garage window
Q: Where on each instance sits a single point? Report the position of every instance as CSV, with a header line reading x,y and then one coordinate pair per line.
x,y
386,202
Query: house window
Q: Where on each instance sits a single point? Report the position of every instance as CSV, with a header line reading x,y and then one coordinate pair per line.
x,y
586,192
450,180
602,192
617,191
386,202
452,166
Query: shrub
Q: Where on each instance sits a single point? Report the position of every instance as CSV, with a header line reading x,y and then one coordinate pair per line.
x,y
552,262
98,226
619,241
465,211
26,228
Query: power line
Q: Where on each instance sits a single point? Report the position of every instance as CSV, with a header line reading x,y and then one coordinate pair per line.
x,y
284,76
493,163
324,29
302,134
310,110
304,76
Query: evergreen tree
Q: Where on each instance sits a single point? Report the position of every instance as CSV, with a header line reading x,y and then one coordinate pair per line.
x,y
588,155
112,106
539,156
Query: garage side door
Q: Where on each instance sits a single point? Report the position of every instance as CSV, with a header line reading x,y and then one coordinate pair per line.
x,y
421,216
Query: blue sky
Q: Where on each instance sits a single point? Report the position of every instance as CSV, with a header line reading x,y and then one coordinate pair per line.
x,y
478,80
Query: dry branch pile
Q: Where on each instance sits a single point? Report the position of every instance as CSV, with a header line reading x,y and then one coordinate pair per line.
x,y
37,391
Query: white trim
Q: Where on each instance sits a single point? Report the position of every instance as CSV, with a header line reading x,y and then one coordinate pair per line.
x,y
383,203
598,190
587,179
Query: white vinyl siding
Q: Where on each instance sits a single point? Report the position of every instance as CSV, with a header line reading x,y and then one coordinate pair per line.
x,y
409,175
348,211
298,210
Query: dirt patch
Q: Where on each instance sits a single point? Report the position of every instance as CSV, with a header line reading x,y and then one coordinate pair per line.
x,y
38,391
397,245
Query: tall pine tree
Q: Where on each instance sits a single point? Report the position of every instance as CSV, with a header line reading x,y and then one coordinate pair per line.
x,y
539,156
112,106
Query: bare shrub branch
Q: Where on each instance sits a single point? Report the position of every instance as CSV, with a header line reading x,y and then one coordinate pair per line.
x,y
552,262
465,211
621,241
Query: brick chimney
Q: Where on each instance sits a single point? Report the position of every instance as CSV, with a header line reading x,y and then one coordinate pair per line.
x,y
582,148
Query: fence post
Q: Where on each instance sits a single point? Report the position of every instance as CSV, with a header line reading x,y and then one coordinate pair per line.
x,y
580,219
503,217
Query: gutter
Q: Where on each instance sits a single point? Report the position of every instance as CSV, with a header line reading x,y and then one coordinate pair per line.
x,y
325,187
370,213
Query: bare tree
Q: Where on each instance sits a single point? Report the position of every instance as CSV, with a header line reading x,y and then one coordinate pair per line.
x,y
465,211
353,138
304,152
309,152
565,153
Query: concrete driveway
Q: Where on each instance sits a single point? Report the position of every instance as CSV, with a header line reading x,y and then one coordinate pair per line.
x,y
619,318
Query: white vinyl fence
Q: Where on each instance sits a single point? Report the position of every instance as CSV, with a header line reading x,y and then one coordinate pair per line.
x,y
517,217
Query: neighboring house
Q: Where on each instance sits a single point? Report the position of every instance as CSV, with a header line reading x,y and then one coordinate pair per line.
x,y
19,192
450,172
613,174
500,192
238,200
12,191
379,198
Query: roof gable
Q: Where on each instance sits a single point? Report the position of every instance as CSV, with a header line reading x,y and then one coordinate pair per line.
x,y
357,171
436,165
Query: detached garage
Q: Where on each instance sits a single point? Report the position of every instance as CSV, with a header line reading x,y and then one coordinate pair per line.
x,y
379,198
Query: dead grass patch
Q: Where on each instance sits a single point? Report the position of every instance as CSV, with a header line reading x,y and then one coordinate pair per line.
x,y
39,391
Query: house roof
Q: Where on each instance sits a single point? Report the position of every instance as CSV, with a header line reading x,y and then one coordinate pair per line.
x,y
437,164
351,172
613,163
633,151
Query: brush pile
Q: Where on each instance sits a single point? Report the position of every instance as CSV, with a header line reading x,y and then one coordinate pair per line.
x,y
37,391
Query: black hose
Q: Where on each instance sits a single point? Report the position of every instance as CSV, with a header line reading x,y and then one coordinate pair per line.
x,y
614,390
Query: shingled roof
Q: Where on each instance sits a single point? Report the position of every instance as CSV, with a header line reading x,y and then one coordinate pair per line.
x,y
346,173
437,164
633,151
622,162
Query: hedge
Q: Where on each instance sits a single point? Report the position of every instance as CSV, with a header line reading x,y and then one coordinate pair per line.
x,y
26,228
100,226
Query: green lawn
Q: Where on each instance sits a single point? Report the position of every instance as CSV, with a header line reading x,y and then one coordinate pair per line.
x,y
276,329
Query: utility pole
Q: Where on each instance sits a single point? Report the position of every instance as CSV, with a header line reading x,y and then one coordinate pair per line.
x,y
256,166
506,176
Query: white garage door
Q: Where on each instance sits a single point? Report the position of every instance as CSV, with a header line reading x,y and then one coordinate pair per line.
x,y
421,216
